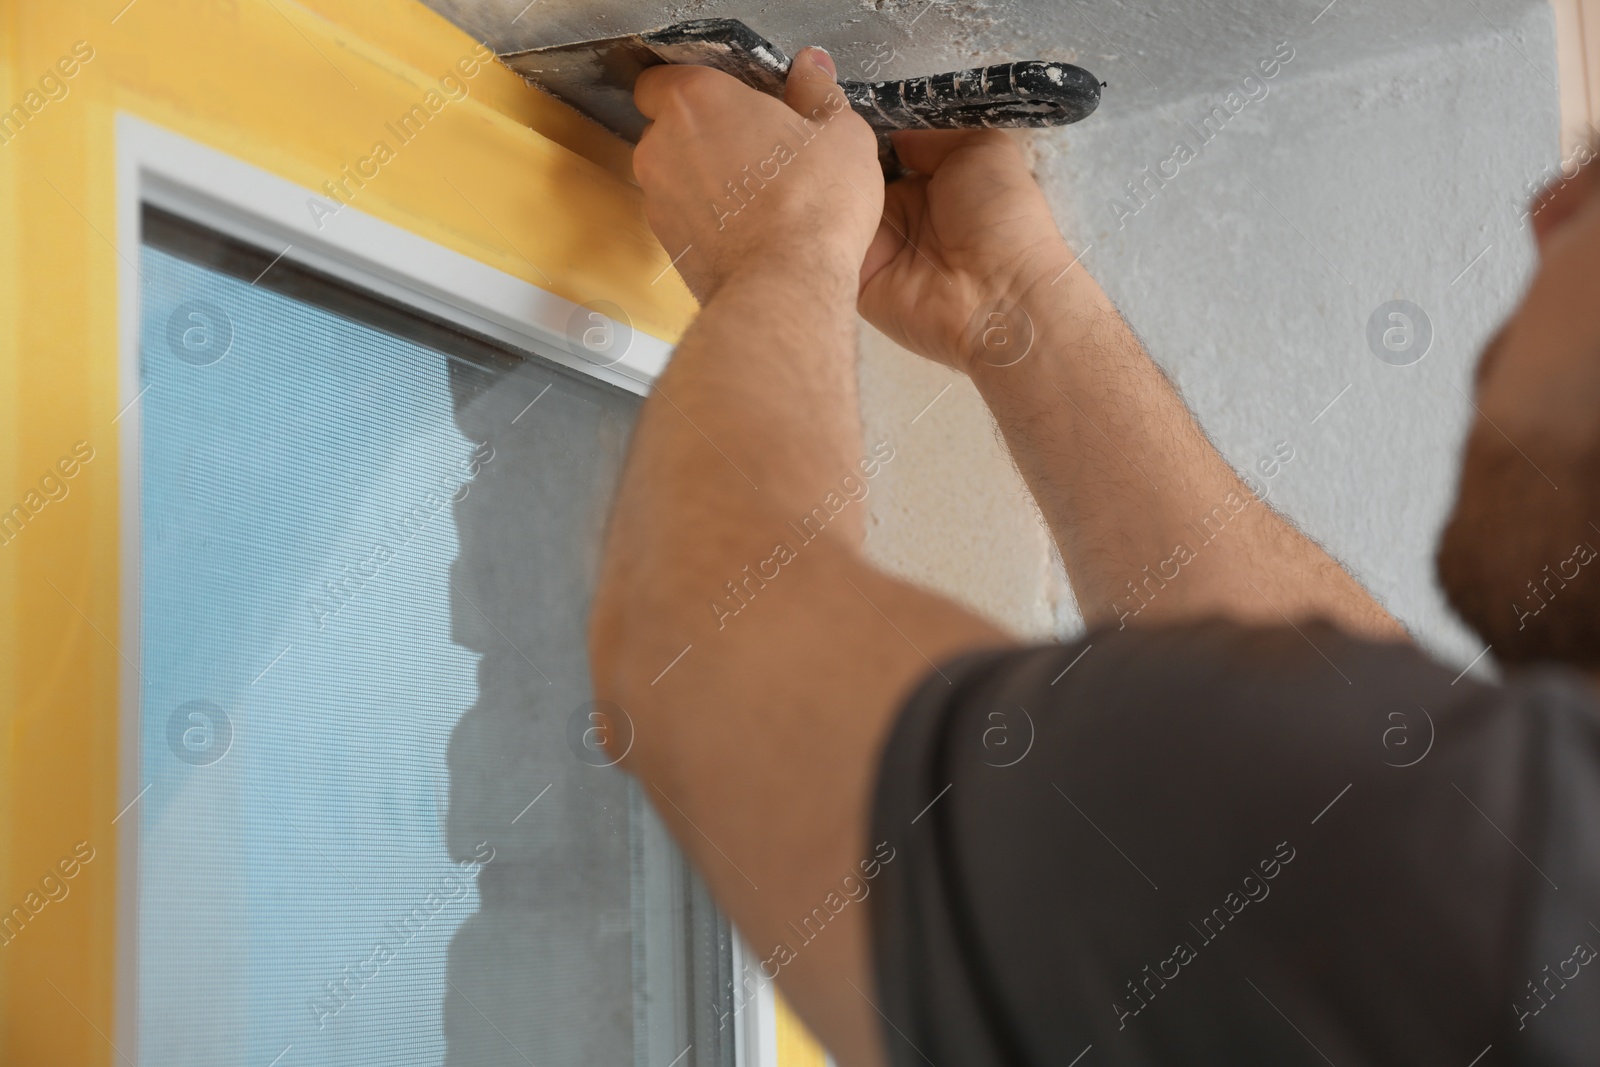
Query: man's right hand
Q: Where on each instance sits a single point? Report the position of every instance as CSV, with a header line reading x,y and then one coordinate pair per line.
x,y
968,233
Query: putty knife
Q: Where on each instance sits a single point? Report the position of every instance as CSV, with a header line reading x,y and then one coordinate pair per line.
x,y
597,77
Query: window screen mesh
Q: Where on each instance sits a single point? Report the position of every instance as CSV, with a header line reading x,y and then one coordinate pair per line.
x,y
372,833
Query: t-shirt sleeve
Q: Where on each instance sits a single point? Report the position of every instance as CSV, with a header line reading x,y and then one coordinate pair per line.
x,y
1216,844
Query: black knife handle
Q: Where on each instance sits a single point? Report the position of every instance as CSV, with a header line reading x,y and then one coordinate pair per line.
x,y
597,78
1032,93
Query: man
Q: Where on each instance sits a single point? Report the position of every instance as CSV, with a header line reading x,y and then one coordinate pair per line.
x,y
1249,823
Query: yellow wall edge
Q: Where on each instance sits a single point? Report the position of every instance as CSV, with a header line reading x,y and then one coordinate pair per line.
x,y
302,90
796,1046
9,688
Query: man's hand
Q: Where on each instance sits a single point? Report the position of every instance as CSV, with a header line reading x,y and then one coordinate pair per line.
x,y
966,234
743,183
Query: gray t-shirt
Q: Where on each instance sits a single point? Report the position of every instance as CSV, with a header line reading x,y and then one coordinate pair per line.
x,y
1223,845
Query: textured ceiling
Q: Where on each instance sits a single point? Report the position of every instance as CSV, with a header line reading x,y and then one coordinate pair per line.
x,y
1149,53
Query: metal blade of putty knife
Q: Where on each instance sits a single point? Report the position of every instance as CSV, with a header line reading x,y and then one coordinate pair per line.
x,y
597,78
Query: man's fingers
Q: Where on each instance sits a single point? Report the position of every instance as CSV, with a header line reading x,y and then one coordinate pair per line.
x,y
811,85
811,89
886,245
658,85
923,150
651,88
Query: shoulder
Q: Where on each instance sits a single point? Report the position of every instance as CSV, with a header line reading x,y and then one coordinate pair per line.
x,y
1311,692
1219,718
1076,811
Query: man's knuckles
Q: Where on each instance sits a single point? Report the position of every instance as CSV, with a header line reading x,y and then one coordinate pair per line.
x,y
685,90
648,164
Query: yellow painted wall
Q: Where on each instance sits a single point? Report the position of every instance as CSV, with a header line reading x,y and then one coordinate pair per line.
x,y
796,1046
299,89
9,682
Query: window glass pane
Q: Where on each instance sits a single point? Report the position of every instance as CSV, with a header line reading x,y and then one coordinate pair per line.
x,y
375,829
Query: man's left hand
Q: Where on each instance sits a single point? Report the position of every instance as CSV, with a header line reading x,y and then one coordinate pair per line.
x,y
738,182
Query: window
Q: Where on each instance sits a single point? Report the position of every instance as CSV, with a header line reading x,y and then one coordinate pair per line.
x,y
470,264
377,827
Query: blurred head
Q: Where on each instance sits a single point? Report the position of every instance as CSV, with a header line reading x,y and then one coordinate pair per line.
x,y
1518,556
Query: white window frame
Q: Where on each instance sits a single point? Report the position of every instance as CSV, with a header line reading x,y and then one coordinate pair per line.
x,y
158,167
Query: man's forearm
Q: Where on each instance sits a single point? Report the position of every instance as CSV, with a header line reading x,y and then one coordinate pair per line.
x,y
1152,523
757,737
752,422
